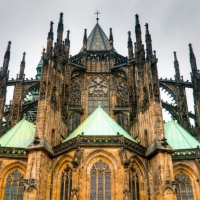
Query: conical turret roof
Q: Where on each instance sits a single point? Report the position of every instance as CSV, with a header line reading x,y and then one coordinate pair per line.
x,y
97,40
101,124
21,135
178,137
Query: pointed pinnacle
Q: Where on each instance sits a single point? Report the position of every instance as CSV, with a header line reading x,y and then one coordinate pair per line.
x,y
137,19
67,41
111,35
7,54
24,54
147,28
130,44
60,24
175,57
190,48
8,47
50,34
85,35
61,18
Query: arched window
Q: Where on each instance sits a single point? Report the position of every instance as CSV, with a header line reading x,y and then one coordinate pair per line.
x,y
100,182
134,185
66,184
73,122
183,187
98,92
14,189
122,120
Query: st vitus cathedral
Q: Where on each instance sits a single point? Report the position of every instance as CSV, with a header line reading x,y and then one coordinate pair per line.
x,y
90,126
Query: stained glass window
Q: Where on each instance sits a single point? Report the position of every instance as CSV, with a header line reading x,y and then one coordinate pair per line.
x,y
98,92
100,182
73,122
14,186
134,185
122,120
183,187
66,184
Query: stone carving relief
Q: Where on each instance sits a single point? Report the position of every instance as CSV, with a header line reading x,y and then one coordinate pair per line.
x,y
54,103
77,157
75,94
133,104
42,91
65,104
145,101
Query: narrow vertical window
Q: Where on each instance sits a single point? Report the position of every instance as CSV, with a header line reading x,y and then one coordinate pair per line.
x,y
14,189
100,182
183,187
122,120
134,185
66,184
73,122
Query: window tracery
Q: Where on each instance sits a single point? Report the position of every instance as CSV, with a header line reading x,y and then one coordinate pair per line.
x,y
122,94
100,182
75,94
14,189
66,184
134,185
183,187
74,121
122,120
98,92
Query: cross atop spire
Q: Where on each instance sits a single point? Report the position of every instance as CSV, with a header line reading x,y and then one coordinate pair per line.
x,y
97,13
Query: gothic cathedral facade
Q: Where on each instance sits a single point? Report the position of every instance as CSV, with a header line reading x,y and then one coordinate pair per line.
x,y
91,127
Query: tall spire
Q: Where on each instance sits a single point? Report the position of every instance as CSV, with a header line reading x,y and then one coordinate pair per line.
x,y
111,39
176,66
50,34
22,66
67,41
7,54
85,39
50,39
60,30
130,46
148,41
138,30
192,60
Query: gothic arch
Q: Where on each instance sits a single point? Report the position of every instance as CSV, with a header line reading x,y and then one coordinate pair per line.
x,y
106,158
7,170
59,166
191,175
93,76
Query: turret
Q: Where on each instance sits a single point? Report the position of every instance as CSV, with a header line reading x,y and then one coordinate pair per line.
x,y
192,60
22,67
60,30
148,42
111,39
130,46
50,39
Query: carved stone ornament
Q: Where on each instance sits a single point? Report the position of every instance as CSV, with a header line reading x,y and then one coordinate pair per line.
x,y
123,157
77,157
15,111
156,93
145,101
75,94
122,94
54,104
42,91
30,185
65,104
133,104
120,74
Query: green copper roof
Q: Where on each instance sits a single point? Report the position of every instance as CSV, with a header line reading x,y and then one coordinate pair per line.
x,y
21,135
97,40
99,123
179,138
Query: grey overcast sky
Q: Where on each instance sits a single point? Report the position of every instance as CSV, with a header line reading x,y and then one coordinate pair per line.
x,y
173,24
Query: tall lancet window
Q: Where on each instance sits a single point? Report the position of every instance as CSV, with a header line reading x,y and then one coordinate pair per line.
x,y
66,184
134,185
98,92
183,187
100,182
14,189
